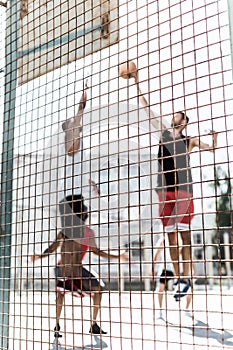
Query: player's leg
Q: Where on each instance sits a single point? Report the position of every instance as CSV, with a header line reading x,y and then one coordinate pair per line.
x,y
59,304
167,213
186,253
185,211
92,285
161,290
174,251
97,297
96,304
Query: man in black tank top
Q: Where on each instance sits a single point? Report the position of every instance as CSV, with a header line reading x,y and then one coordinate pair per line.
x,y
174,188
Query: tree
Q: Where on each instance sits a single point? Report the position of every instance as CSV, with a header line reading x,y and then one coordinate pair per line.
x,y
224,218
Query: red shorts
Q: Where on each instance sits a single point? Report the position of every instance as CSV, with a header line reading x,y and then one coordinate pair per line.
x,y
176,210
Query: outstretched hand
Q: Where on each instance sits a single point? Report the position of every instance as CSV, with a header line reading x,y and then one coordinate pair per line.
x,y
212,132
214,135
83,100
124,256
95,188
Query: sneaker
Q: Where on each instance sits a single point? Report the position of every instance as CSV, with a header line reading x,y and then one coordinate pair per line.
x,y
182,289
188,313
170,285
160,314
174,285
95,329
56,332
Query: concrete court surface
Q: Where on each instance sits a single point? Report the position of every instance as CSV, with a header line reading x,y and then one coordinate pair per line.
x,y
132,320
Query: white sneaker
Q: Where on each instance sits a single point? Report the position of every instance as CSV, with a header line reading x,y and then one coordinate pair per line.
x,y
160,314
188,313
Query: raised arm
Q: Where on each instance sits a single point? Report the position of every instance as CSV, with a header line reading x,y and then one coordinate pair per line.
x,y
154,118
196,142
94,187
52,248
72,127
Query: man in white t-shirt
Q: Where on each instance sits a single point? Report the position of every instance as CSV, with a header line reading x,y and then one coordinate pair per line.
x,y
163,267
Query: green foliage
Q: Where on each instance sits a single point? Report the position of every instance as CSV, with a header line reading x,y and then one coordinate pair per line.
x,y
223,188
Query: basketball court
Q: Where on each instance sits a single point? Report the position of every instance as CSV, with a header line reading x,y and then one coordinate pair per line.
x,y
132,320
157,75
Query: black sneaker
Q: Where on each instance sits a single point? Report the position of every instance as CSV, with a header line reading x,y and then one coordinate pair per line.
x,y
95,329
182,289
56,332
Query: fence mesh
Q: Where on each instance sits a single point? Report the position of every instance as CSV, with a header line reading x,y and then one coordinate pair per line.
x,y
116,182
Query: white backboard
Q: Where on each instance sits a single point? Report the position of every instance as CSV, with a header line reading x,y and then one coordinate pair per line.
x,y
55,33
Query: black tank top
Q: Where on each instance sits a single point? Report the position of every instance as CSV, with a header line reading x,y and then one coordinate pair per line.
x,y
174,170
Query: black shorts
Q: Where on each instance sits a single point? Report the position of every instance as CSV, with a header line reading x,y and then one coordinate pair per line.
x,y
87,284
166,276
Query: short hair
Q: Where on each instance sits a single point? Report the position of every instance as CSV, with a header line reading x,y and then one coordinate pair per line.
x,y
76,202
184,116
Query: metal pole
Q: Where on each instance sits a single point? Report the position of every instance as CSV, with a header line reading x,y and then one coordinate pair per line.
x,y
12,29
147,265
227,257
209,257
230,16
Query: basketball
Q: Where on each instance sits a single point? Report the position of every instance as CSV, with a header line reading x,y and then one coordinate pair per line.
x,y
128,70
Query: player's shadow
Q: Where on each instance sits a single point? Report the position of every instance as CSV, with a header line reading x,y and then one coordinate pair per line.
x,y
202,330
99,344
